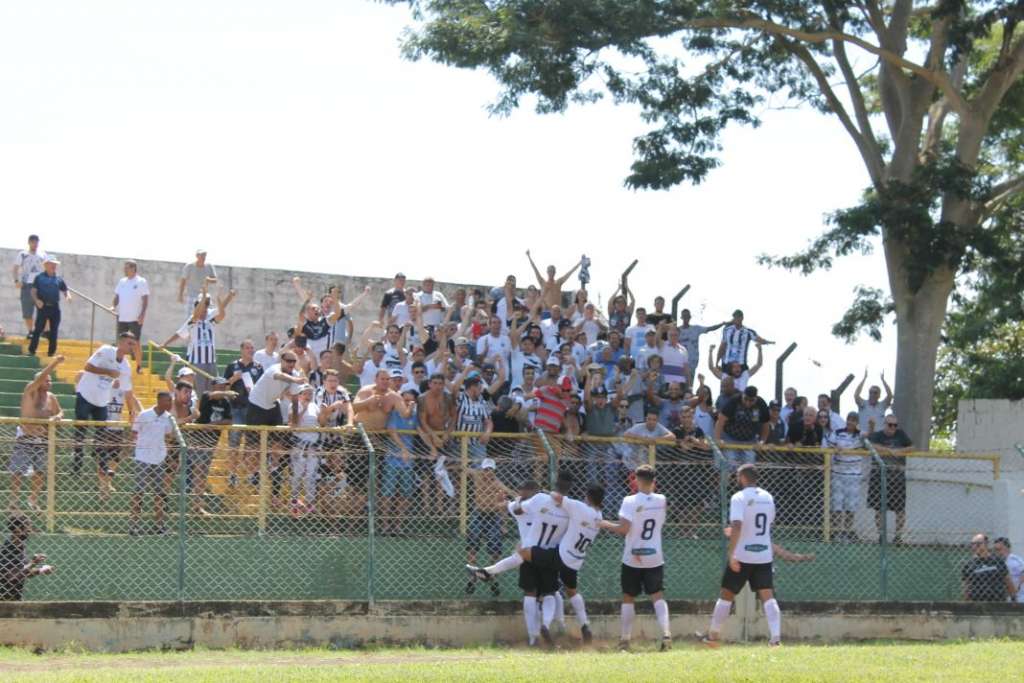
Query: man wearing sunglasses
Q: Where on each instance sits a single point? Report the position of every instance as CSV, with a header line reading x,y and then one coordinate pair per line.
x,y
985,577
889,441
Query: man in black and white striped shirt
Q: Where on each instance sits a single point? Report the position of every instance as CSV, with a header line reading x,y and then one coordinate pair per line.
x,y
199,331
473,413
736,340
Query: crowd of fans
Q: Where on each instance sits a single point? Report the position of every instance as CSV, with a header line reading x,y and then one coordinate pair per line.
x,y
481,361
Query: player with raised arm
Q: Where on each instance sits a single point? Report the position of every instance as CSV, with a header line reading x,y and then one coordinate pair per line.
x,y
548,525
751,514
641,519
567,559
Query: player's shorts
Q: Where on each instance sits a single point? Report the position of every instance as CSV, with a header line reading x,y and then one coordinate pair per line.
x,y
895,489
637,580
149,477
484,527
538,580
549,559
759,576
845,492
28,456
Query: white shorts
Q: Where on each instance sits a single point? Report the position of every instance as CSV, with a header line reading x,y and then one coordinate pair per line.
x,y
845,492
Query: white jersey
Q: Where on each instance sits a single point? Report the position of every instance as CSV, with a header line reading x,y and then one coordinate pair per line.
x,y
584,524
755,508
645,513
548,523
523,522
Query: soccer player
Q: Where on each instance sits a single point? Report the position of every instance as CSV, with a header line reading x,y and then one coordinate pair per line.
x,y
567,559
641,519
751,514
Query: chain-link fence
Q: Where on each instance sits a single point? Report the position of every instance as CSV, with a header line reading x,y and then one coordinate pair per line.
x,y
277,513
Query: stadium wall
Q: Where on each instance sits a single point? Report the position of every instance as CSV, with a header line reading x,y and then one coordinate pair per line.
x,y
266,298
995,426
124,627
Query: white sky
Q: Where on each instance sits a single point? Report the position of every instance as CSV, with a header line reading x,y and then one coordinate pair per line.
x,y
295,128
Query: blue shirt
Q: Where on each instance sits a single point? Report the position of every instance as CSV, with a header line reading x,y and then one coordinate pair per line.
x,y
396,421
49,287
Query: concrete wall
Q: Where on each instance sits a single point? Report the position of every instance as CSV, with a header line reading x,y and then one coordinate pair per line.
x,y
994,426
266,298
122,627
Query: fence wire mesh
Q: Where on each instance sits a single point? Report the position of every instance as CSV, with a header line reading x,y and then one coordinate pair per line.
x,y
281,513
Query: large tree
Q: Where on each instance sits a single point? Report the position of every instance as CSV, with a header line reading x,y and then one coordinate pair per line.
x,y
905,80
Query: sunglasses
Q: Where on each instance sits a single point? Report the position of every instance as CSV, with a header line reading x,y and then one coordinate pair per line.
x,y
892,424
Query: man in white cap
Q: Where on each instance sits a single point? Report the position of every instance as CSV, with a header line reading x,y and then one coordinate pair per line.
x,y
47,289
193,275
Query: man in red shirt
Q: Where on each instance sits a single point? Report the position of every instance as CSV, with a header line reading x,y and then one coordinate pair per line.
x,y
554,401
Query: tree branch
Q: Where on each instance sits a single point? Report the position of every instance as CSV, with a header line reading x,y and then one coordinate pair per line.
x,y
937,78
1008,69
860,110
1002,193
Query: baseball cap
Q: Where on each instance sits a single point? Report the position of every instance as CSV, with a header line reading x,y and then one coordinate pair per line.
x,y
51,259
473,377
553,360
488,366
774,405
649,332
305,387
853,415
462,341
750,392
595,367
200,251
396,372
185,372
398,275
487,464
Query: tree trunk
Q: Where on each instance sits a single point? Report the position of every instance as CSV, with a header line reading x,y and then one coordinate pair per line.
x,y
919,319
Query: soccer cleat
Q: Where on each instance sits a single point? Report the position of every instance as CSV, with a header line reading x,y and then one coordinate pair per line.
x,y
588,637
666,644
545,633
470,587
774,643
478,572
707,640
624,646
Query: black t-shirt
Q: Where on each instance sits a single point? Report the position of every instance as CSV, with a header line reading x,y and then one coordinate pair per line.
x,y
744,423
213,411
503,424
986,578
657,318
804,436
253,369
899,439
12,560
391,297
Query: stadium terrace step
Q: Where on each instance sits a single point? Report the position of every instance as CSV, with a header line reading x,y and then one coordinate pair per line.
x,y
67,402
19,361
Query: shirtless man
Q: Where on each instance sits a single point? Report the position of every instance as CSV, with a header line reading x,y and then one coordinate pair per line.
x,y
436,411
28,458
490,497
551,288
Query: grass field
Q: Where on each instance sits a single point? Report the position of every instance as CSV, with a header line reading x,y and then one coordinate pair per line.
x,y
995,660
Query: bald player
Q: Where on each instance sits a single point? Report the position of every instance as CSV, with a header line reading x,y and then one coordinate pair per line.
x,y
28,458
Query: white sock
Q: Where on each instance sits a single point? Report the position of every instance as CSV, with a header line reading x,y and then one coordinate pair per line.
x,y
661,612
504,564
559,608
774,617
719,616
628,613
579,608
529,616
548,609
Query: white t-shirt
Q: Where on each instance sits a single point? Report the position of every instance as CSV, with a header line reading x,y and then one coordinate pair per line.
x,y
548,521
310,417
522,360
868,412
645,513
755,508
642,355
369,373
591,328
489,346
434,316
265,359
96,389
549,328
29,265
675,358
267,389
523,523
401,314
151,445
129,293
637,336
583,528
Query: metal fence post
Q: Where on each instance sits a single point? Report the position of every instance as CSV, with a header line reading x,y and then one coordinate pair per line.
x,y
371,515
261,515
837,393
883,531
675,302
182,506
51,476
552,458
652,454
463,483
778,370
826,520
723,491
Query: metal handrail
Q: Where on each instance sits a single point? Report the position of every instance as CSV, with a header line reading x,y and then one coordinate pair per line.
x,y
92,321
180,360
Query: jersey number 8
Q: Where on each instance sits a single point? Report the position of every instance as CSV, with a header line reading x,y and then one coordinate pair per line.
x,y
647,532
